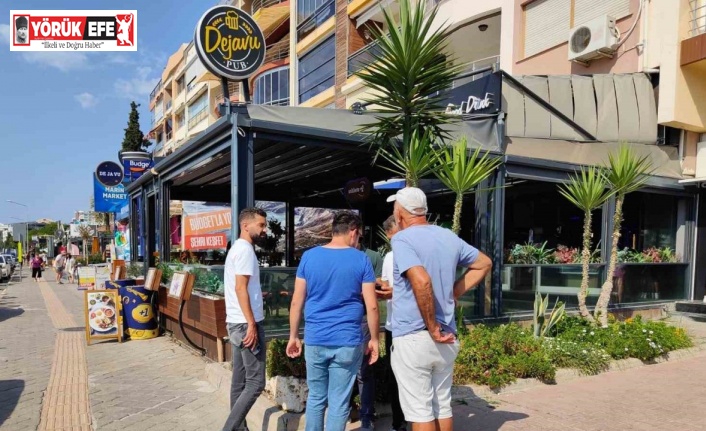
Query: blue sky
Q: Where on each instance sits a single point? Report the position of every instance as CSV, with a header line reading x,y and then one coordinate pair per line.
x,y
64,112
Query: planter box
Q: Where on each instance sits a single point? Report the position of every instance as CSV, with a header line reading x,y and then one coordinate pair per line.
x,y
204,320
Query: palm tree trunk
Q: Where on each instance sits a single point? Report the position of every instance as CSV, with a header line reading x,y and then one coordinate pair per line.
x,y
458,205
601,311
585,260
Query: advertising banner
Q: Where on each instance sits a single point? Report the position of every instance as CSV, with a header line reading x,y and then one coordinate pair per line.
x,y
108,199
102,314
135,168
102,275
86,277
205,226
122,242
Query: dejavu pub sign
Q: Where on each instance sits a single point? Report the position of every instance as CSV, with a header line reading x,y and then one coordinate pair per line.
x,y
229,43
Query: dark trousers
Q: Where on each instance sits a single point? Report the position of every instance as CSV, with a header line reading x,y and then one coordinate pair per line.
x,y
248,379
393,391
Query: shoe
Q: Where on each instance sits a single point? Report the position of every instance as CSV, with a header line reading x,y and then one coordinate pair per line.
x,y
367,426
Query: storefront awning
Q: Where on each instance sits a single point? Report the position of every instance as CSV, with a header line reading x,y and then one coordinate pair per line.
x,y
664,159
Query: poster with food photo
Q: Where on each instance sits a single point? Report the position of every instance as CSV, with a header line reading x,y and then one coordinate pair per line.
x,y
102,309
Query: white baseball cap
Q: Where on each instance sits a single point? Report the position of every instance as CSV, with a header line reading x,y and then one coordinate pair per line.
x,y
412,199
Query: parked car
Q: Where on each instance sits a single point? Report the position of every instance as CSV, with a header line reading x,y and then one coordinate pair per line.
x,y
11,259
5,268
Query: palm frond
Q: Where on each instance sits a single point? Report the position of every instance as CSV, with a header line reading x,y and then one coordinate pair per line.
x,y
626,171
459,170
587,189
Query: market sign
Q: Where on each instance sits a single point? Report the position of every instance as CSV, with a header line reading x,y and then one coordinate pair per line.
x,y
229,43
108,199
357,190
109,174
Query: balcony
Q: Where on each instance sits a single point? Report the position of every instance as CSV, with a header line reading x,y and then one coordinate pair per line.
x,y
156,90
475,65
260,4
693,49
307,23
364,56
168,107
270,14
277,51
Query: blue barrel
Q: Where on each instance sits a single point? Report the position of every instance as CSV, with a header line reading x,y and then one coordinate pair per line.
x,y
117,284
138,314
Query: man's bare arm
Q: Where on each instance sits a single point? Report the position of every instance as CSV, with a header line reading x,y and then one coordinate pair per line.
x,y
473,276
296,306
421,286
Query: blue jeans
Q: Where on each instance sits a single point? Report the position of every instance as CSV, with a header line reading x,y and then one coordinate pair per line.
x,y
330,374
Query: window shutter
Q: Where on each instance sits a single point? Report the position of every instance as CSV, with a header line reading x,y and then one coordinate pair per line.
x,y
546,24
586,10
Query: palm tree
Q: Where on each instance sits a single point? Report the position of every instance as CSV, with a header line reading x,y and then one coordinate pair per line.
x,y
461,171
86,234
408,79
626,173
587,191
414,163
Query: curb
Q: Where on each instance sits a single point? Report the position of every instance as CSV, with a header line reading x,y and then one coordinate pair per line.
x,y
565,375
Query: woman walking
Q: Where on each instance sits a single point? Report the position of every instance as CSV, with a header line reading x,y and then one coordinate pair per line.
x,y
70,263
36,263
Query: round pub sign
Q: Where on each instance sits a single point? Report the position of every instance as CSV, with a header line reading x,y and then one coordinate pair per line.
x,y
229,43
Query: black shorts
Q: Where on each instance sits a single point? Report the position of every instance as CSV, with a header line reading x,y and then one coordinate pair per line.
x,y
36,272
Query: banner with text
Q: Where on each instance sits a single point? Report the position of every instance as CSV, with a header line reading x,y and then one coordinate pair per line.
x,y
108,199
205,226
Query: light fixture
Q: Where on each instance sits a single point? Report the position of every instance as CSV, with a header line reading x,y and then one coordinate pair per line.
x,y
483,27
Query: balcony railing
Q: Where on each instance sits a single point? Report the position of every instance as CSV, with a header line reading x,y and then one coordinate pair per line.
x,y
169,136
198,117
319,16
364,56
278,50
697,17
169,106
156,90
259,4
475,65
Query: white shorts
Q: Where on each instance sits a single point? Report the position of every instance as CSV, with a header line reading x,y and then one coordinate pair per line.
x,y
424,371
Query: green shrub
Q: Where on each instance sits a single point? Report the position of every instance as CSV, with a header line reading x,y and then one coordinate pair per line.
x,y
207,281
135,270
498,356
586,358
95,258
279,364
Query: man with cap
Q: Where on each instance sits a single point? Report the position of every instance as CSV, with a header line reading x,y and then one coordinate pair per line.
x,y
21,25
424,346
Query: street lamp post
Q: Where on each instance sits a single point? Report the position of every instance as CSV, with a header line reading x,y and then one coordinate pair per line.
x,y
26,221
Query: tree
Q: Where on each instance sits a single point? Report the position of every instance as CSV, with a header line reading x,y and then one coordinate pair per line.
x,y
626,173
409,79
134,138
461,171
9,241
86,234
587,191
413,161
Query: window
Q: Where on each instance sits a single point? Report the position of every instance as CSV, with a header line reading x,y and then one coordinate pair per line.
x,y
179,121
272,87
311,14
547,22
198,110
317,70
180,84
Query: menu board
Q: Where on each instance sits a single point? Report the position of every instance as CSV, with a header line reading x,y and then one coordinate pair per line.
x,y
102,275
102,312
86,277
181,285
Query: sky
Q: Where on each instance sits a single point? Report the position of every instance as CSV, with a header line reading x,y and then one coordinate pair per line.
x,y
65,112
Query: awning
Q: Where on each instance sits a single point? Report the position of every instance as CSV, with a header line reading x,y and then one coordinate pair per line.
x,y
693,180
665,160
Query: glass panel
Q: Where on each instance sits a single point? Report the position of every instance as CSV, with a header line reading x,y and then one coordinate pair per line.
x,y
635,282
319,55
520,282
275,86
649,220
325,71
277,289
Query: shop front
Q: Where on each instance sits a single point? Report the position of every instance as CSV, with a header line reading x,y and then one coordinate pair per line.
x,y
301,164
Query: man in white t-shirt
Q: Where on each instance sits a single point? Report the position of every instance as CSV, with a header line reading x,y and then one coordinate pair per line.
x,y
244,316
390,227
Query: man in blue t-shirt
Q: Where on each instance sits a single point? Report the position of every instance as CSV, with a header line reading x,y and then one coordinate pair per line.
x,y
424,346
332,283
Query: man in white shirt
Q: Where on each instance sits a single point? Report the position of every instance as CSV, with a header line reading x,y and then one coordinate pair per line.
x,y
244,316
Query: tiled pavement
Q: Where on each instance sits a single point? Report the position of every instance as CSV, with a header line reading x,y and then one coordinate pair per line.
x,y
157,385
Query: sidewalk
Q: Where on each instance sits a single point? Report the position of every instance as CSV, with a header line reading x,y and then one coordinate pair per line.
x,y
47,374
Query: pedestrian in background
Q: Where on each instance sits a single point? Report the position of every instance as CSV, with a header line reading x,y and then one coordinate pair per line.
x,y
59,266
70,266
330,282
424,345
385,292
244,316
36,263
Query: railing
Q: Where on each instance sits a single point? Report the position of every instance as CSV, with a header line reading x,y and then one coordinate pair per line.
x,y
475,65
169,136
169,106
156,90
364,56
697,17
318,17
198,117
259,4
278,50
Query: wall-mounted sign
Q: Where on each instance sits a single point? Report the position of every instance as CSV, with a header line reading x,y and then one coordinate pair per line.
x,y
481,96
134,168
110,174
357,190
229,43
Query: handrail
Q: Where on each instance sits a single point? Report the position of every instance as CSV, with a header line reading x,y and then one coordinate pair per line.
x,y
259,4
278,50
364,56
310,22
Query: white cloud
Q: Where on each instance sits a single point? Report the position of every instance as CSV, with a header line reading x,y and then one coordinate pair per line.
x,y
137,87
64,61
86,100
5,34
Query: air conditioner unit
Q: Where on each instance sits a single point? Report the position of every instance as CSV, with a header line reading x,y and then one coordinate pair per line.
x,y
592,40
